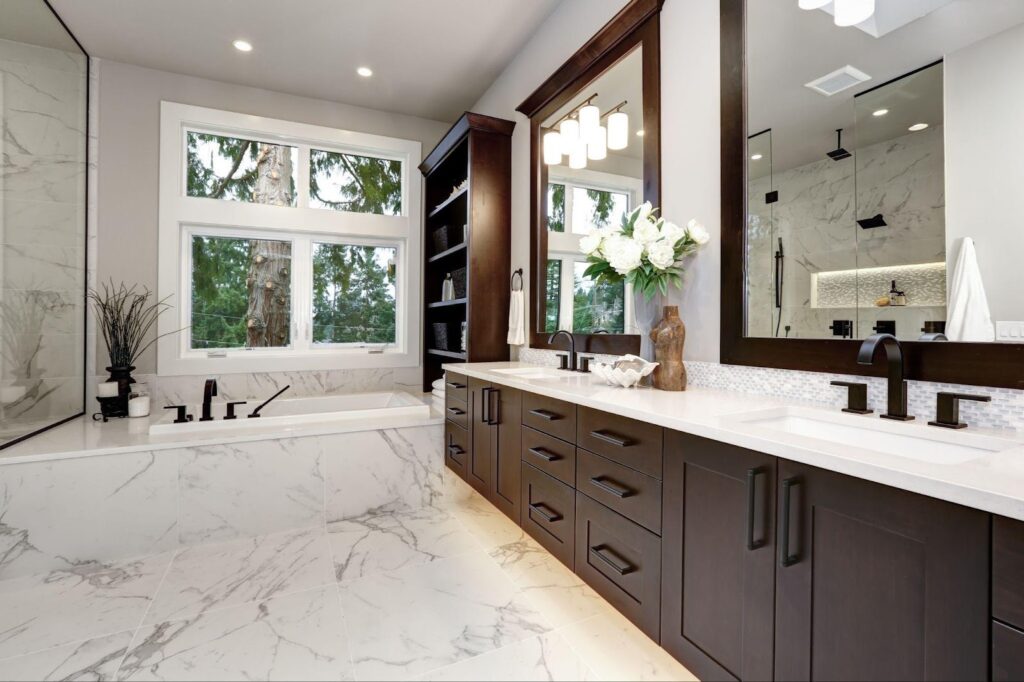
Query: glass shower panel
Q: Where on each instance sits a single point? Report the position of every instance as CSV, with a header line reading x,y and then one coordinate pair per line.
x,y
761,272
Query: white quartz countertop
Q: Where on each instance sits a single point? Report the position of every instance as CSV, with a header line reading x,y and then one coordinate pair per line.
x,y
993,482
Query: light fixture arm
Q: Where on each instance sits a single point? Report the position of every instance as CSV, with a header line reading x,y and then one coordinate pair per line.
x,y
572,112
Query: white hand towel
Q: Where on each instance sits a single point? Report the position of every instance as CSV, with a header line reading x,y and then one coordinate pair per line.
x,y
517,319
968,316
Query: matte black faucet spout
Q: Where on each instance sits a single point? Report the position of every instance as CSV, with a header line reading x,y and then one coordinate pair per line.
x,y
209,391
572,347
897,400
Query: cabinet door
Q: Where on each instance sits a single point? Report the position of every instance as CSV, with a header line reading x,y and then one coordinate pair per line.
x,y
876,583
478,466
718,575
506,444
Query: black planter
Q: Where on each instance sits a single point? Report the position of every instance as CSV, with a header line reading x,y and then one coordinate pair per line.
x,y
123,377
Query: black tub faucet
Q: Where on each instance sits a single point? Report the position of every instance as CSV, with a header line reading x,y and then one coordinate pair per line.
x,y
571,365
897,400
209,391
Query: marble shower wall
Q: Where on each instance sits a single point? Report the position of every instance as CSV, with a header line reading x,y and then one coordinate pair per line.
x,y
61,514
43,112
903,179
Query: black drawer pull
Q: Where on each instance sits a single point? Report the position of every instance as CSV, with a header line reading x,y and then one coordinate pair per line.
x,y
455,450
752,475
611,487
607,437
546,414
457,386
456,411
604,554
786,559
544,454
542,509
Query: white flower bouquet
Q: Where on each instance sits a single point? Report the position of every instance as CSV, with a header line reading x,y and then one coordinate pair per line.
x,y
645,251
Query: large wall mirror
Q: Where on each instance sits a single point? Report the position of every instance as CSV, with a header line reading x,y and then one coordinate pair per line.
x,y
872,146
43,114
594,157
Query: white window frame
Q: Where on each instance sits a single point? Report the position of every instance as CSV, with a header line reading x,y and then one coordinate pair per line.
x,y
182,216
565,246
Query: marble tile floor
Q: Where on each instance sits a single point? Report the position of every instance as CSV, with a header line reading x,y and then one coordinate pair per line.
x,y
455,592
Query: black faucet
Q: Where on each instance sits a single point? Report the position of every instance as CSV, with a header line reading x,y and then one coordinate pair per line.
x,y
209,390
897,400
572,348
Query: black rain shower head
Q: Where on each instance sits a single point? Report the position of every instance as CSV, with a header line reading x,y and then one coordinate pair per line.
x,y
838,154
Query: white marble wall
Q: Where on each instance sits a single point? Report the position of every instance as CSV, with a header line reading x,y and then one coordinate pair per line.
x,y
63,513
815,216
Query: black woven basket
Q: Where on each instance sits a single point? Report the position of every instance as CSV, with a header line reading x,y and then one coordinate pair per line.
x,y
440,238
459,280
441,339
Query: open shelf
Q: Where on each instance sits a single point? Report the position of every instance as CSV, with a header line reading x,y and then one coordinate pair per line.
x,y
447,252
445,304
449,201
447,353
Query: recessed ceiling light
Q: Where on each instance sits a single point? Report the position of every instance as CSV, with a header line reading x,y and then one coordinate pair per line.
x,y
640,133
756,157
364,71
880,112
917,126
242,45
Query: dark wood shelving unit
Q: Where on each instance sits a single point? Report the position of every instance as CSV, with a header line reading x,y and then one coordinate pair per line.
x,y
477,148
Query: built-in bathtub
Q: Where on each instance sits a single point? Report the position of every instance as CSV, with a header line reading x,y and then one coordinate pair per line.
x,y
292,413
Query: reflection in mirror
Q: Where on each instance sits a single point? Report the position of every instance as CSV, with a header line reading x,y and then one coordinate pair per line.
x,y
882,162
43,106
595,177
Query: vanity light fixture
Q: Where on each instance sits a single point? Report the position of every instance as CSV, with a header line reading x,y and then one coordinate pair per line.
x,y
578,155
364,71
597,144
880,112
242,45
552,148
618,130
917,127
569,131
590,120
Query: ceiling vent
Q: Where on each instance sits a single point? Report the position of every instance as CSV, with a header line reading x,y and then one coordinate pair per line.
x,y
838,80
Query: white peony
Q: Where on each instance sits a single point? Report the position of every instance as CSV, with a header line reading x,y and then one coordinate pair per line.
x,y
646,231
672,233
644,211
697,232
591,244
623,253
662,254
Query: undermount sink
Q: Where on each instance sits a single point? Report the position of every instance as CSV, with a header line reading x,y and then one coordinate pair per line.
x,y
532,373
911,440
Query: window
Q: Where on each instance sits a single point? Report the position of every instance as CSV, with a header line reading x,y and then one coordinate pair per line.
x,y
584,201
285,246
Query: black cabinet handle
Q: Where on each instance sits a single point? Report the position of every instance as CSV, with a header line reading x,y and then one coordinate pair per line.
x,y
544,454
485,405
455,450
601,552
752,475
456,385
456,411
494,415
611,487
608,437
541,509
546,414
786,559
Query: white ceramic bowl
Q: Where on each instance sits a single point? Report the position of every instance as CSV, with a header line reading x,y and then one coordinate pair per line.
x,y
626,378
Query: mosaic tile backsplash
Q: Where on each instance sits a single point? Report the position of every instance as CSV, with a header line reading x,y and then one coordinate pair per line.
x,y
1006,411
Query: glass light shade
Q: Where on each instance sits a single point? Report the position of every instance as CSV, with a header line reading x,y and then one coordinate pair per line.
x,y
552,148
813,4
597,144
618,130
590,120
578,155
569,130
853,12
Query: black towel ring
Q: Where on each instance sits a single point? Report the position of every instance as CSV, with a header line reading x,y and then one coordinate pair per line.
x,y
518,273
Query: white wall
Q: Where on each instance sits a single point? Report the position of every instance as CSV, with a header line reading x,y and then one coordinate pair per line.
x,y
129,137
984,152
689,129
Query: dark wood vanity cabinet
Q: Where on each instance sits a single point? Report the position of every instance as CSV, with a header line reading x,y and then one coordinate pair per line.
x,y
493,462
1007,600
718,577
876,583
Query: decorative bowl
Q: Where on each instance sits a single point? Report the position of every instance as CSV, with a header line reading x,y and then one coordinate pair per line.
x,y
626,372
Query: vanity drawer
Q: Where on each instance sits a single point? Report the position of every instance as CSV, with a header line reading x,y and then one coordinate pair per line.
x,y
456,411
1008,571
549,513
632,443
554,417
456,448
621,561
632,494
1007,653
456,386
549,454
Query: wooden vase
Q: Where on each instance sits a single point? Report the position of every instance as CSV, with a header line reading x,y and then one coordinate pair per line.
x,y
669,337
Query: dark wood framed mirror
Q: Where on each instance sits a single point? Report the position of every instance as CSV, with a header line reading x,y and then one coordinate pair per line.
x,y
926,43
616,71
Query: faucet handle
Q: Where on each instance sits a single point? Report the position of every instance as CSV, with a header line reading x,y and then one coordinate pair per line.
x,y
182,415
231,408
563,361
856,397
584,361
948,409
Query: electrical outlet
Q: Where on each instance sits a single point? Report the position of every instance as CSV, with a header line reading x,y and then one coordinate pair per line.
x,y
1010,331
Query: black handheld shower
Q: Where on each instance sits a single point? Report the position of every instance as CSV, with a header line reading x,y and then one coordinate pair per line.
x,y
780,265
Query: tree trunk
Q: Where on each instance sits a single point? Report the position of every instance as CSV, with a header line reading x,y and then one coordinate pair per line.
x,y
268,318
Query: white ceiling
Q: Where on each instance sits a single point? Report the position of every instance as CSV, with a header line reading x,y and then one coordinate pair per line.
x,y
430,58
32,22
788,47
